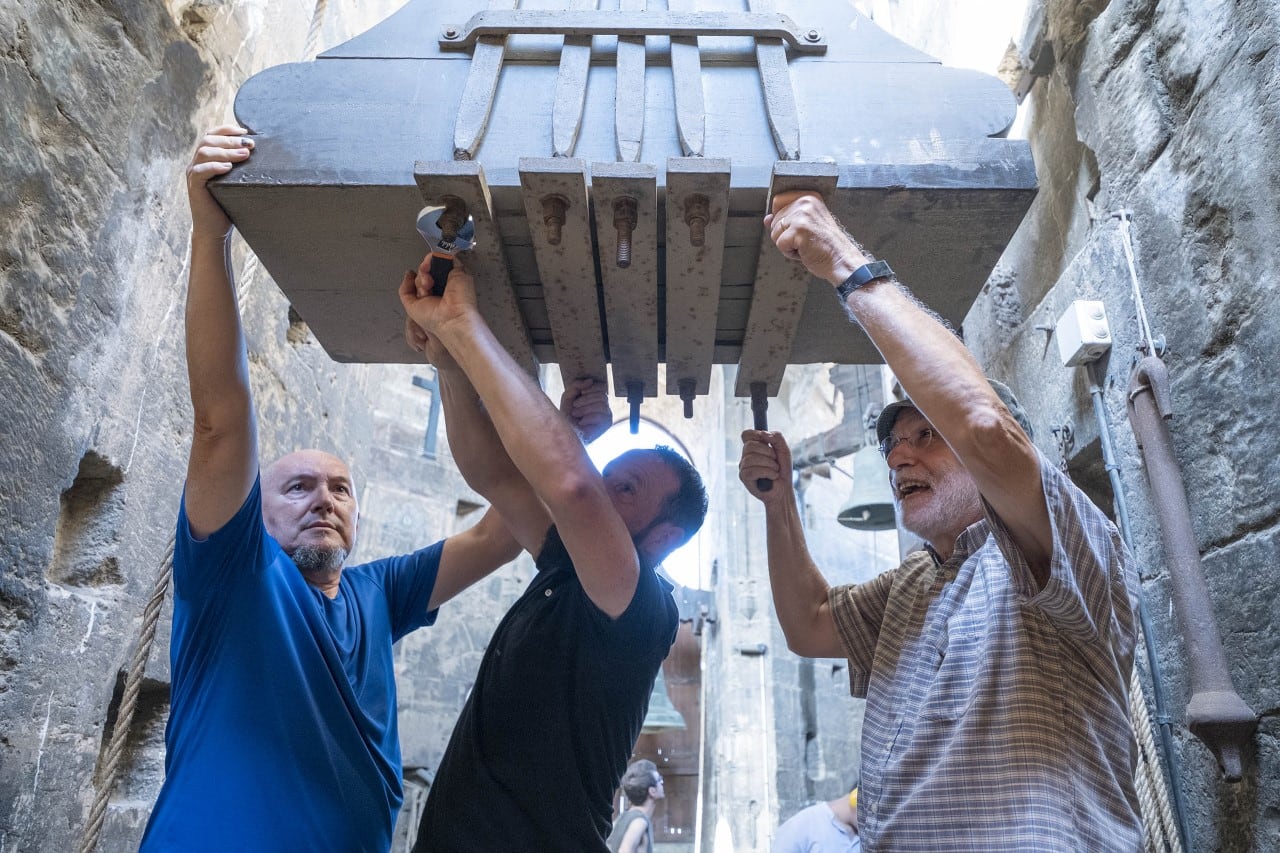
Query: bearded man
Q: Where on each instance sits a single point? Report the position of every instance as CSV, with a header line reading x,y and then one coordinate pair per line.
x,y
995,662
282,719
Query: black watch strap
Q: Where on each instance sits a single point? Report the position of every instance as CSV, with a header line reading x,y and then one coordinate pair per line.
x,y
864,274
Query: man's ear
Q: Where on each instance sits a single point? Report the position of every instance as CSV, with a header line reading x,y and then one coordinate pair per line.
x,y
664,539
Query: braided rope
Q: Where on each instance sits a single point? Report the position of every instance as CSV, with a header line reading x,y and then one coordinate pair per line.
x,y
129,701
247,274
313,33
1153,794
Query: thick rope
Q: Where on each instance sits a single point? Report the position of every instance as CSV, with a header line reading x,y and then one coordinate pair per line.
x,y
313,33
129,701
1153,796
247,274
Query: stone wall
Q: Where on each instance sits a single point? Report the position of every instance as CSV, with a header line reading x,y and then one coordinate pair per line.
x,y
102,104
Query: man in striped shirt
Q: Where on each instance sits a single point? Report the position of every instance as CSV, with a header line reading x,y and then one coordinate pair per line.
x,y
995,662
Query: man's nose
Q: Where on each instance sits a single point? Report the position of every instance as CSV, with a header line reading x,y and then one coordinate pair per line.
x,y
901,455
322,499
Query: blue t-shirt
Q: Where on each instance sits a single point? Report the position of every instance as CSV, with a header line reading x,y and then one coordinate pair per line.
x,y
282,720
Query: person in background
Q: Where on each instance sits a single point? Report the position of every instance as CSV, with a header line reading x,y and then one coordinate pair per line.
x,y
633,830
830,827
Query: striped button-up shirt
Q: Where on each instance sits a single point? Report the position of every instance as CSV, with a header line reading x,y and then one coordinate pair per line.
x,y
997,715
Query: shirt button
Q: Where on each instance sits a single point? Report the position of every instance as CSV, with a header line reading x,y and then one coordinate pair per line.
x,y
547,593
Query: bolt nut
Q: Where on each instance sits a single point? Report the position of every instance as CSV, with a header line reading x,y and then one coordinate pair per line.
x,y
813,35
451,32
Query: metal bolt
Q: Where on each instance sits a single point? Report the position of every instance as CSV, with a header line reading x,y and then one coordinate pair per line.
x,y
635,394
687,388
696,215
624,219
813,35
453,217
451,32
553,208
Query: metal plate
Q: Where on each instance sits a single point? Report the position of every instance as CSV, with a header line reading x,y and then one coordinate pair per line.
x,y
693,272
630,291
924,180
566,268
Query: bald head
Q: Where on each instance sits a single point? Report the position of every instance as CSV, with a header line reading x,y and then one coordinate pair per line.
x,y
313,459
309,507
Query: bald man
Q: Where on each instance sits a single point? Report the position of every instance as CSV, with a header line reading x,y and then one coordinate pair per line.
x,y
282,723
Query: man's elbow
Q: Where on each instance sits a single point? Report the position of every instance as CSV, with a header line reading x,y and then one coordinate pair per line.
x,y
803,645
214,424
574,493
994,437
813,637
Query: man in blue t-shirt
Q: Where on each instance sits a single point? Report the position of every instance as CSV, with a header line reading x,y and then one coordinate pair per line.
x,y
282,725
565,682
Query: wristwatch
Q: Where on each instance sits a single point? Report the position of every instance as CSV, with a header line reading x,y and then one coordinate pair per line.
x,y
864,274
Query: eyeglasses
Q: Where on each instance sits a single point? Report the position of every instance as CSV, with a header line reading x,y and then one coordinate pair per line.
x,y
920,442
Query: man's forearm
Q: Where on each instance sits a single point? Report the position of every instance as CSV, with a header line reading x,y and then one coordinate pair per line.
x,y
540,442
474,442
799,589
217,365
935,368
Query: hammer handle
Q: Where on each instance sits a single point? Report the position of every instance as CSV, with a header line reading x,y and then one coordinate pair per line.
x,y
759,409
441,265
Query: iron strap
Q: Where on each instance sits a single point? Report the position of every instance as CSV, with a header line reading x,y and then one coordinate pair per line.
x,y
501,22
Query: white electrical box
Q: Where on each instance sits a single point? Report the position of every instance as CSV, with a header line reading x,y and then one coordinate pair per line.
x,y
1082,333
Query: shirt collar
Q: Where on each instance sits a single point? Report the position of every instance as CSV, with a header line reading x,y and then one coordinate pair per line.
x,y
969,540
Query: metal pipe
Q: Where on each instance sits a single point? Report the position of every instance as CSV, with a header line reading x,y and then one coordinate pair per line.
x,y
702,730
1096,375
1215,714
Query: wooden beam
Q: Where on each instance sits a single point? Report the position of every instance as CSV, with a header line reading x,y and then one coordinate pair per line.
x,y
697,209
781,286
555,203
622,192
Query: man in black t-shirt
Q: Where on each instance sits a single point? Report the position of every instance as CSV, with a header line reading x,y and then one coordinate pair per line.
x,y
565,681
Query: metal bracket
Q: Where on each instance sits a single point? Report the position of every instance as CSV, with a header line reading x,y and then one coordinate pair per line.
x,y
618,23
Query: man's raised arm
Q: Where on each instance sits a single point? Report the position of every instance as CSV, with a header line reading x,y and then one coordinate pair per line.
x,y
541,443
224,442
938,373
800,592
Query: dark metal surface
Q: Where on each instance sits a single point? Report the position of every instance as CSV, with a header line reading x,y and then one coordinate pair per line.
x,y
329,198
1216,714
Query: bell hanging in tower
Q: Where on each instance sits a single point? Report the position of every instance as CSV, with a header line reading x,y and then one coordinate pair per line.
x,y
870,504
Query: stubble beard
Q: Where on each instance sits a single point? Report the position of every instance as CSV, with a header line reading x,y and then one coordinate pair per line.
x,y
318,560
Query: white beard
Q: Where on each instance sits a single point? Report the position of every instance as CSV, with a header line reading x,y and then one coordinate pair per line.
x,y
952,498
